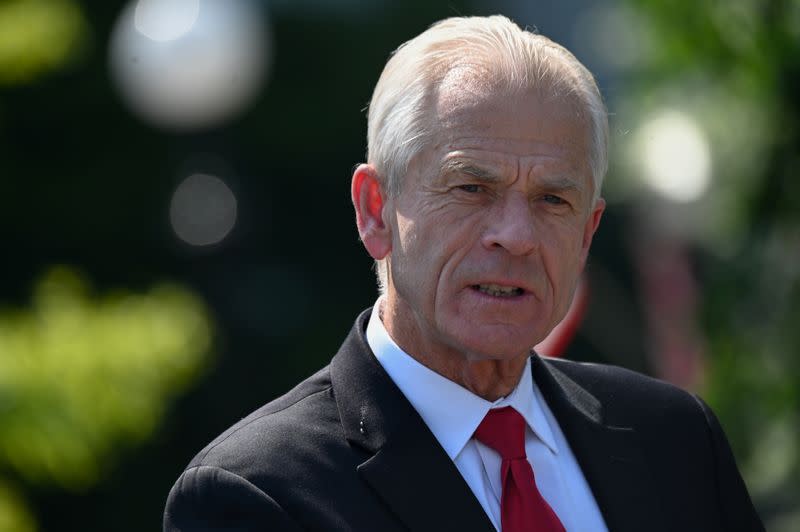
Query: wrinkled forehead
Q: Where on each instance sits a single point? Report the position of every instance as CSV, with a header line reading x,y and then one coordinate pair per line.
x,y
497,128
467,107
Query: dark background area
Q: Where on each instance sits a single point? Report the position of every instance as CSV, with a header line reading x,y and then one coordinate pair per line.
x,y
86,183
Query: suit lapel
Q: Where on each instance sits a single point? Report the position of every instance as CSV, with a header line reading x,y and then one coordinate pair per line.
x,y
407,468
610,457
423,487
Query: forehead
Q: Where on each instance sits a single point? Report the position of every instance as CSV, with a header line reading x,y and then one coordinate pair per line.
x,y
467,100
481,121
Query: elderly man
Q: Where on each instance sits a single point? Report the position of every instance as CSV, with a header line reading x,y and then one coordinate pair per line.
x,y
487,149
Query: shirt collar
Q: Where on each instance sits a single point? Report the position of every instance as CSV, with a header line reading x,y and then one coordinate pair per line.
x,y
452,412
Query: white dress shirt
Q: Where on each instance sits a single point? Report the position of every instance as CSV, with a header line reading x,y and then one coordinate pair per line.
x,y
453,413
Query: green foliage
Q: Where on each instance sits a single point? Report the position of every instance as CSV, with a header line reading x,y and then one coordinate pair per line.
x,y
37,36
14,517
753,310
84,377
736,67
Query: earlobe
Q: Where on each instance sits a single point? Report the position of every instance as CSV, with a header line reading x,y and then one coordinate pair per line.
x,y
369,203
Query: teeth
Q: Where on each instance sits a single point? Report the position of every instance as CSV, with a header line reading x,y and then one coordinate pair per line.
x,y
497,290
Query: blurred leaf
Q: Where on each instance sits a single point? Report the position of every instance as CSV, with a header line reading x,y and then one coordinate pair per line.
x,y
37,36
14,515
81,377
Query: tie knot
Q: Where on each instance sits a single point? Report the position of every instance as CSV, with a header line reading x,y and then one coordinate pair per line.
x,y
503,429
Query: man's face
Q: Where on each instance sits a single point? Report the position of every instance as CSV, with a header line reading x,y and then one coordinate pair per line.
x,y
492,226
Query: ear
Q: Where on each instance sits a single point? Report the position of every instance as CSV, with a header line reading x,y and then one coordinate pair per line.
x,y
369,202
592,222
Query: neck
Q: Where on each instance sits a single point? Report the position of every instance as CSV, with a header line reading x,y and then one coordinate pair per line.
x,y
486,376
489,379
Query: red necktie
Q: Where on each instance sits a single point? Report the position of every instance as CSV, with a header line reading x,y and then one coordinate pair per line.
x,y
522,507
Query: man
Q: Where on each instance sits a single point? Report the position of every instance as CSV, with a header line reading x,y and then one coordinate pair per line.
x,y
487,149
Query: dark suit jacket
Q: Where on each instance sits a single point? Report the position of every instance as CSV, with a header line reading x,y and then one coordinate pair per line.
x,y
345,450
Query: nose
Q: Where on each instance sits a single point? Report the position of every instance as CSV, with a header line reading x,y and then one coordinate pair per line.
x,y
510,225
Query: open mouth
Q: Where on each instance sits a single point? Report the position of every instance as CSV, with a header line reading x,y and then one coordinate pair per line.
x,y
497,290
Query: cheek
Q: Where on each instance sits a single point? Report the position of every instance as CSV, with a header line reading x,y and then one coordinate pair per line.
x,y
411,257
562,250
570,235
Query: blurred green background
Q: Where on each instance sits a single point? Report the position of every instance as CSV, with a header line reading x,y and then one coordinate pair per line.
x,y
179,246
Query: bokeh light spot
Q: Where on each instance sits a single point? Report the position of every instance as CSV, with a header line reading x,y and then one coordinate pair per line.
x,y
674,156
203,210
186,65
165,20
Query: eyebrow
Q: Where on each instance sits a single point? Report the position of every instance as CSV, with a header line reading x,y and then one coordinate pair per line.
x,y
462,167
559,183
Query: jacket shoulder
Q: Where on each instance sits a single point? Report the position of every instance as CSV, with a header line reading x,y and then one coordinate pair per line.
x,y
277,427
619,387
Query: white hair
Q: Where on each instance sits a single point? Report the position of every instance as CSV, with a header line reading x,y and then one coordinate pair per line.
x,y
501,54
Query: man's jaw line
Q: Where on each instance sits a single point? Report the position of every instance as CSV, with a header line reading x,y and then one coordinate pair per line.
x,y
488,375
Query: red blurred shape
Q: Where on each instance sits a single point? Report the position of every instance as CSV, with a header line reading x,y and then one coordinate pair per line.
x,y
555,345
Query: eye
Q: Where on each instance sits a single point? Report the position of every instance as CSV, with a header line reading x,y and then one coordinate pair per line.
x,y
553,200
472,189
